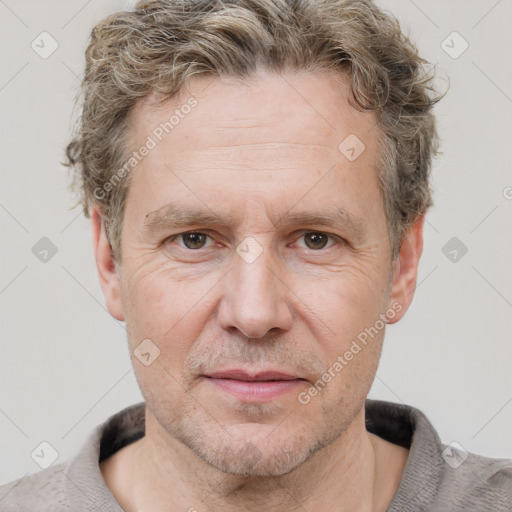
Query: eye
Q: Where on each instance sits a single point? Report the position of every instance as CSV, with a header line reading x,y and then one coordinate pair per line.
x,y
191,239
195,240
315,240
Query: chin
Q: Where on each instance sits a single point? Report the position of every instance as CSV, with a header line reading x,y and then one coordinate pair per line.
x,y
252,459
252,449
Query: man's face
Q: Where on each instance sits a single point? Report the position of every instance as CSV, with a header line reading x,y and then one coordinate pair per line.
x,y
286,262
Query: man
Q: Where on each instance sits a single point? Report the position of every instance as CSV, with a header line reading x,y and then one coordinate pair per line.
x,y
256,173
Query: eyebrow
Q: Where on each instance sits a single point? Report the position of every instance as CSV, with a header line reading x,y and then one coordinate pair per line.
x,y
177,216
180,216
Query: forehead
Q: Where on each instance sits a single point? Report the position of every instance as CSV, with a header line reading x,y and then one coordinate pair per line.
x,y
303,107
269,138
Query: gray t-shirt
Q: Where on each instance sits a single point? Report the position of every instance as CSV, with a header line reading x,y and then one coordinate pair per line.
x,y
437,477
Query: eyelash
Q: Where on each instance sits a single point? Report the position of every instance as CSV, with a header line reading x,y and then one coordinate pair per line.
x,y
172,238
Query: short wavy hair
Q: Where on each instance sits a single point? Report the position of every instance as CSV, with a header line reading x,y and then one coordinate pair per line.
x,y
162,43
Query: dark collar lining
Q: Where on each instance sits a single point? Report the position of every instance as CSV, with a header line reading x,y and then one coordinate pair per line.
x,y
393,422
125,427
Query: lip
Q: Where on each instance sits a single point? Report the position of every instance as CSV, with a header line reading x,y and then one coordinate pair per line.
x,y
243,375
254,387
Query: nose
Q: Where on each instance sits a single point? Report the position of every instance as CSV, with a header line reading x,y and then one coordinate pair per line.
x,y
255,299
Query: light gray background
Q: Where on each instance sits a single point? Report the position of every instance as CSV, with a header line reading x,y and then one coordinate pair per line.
x,y
64,365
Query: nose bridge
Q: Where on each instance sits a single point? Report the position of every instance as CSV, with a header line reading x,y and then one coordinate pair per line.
x,y
255,299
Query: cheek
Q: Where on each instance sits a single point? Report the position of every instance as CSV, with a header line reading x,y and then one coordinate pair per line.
x,y
154,303
346,321
350,371
157,311
171,313
343,303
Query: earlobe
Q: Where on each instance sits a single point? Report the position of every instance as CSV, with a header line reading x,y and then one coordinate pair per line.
x,y
108,271
405,270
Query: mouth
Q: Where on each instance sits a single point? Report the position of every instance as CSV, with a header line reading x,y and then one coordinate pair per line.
x,y
254,387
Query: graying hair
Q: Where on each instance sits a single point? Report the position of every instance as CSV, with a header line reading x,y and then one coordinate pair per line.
x,y
162,43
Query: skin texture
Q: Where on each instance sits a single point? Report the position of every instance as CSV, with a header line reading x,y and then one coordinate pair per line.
x,y
252,155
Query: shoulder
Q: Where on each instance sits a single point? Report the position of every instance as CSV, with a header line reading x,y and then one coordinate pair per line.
x,y
439,477
60,488
77,483
472,482
35,492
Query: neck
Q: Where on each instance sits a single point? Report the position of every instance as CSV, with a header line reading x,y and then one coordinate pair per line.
x,y
165,475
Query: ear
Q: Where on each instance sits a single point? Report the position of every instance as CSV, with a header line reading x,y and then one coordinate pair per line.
x,y
405,271
108,269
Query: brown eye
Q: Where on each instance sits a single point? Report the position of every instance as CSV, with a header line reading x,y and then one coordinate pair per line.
x,y
193,240
316,240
